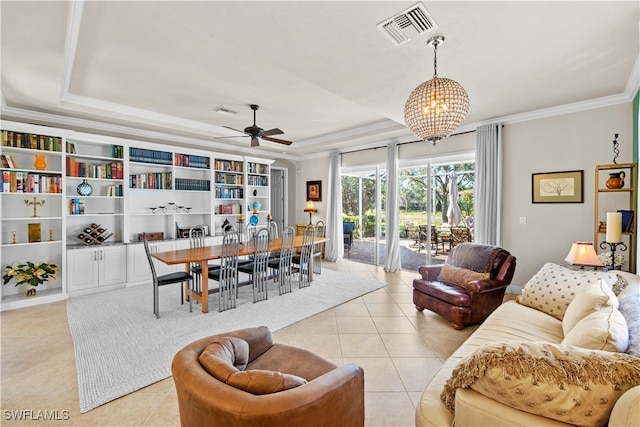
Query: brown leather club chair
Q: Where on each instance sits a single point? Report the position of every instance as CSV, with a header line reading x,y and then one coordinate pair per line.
x,y
468,287
331,396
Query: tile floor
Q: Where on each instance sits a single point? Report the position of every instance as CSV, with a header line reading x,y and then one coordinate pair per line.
x,y
381,331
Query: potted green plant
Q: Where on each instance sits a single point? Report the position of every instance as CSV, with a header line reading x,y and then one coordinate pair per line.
x,y
30,273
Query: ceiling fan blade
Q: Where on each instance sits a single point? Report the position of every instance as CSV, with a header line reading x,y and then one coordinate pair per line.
x,y
279,141
254,141
235,130
274,131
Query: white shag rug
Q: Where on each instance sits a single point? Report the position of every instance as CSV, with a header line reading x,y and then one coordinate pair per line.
x,y
121,347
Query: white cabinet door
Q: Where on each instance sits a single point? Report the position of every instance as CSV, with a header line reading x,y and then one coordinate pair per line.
x,y
82,269
113,265
138,266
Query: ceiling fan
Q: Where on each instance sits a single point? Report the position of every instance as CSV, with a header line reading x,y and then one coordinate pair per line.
x,y
256,132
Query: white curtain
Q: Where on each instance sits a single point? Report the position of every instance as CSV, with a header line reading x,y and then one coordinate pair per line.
x,y
392,211
334,248
488,194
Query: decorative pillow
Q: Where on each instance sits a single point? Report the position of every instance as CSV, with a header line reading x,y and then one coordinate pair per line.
x,y
553,287
568,384
604,329
459,276
257,381
225,356
630,310
588,299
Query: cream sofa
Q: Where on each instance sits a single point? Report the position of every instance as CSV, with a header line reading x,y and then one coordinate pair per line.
x,y
514,322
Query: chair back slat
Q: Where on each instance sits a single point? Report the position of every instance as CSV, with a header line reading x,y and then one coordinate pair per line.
x,y
305,256
260,275
229,271
286,255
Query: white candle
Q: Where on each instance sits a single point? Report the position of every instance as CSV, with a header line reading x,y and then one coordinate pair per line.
x,y
614,227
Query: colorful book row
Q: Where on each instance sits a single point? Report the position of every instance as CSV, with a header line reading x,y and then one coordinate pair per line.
x,y
191,161
229,193
112,170
153,181
229,179
25,182
261,181
234,208
228,165
31,141
76,206
259,168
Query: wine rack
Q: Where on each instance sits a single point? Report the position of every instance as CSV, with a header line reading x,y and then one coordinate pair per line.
x,y
94,235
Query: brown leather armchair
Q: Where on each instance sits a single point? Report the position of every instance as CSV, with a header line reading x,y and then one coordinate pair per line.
x,y
470,302
333,396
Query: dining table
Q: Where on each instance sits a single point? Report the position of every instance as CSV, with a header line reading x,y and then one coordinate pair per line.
x,y
204,254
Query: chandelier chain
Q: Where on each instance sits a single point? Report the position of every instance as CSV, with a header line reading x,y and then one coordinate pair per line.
x,y
435,59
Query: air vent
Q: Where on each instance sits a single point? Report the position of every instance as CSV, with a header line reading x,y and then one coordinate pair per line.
x,y
410,23
226,111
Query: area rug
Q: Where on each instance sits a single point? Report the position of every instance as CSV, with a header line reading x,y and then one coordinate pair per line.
x,y
121,347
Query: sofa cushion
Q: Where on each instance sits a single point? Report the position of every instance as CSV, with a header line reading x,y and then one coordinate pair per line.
x,y
630,309
620,285
604,329
459,276
226,359
553,287
264,382
225,356
588,299
568,384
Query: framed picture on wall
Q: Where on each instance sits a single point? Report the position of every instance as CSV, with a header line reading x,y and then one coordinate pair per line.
x,y
314,191
557,187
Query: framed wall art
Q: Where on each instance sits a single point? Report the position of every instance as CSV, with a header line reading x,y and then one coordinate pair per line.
x,y
314,191
557,187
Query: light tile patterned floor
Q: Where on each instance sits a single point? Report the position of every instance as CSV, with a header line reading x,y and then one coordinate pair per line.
x,y
381,331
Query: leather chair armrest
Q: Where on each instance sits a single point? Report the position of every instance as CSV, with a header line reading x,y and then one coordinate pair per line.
x,y
488,285
430,272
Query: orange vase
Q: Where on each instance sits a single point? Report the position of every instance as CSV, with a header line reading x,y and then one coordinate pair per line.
x,y
40,162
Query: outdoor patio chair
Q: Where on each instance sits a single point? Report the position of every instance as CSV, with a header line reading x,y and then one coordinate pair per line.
x,y
347,230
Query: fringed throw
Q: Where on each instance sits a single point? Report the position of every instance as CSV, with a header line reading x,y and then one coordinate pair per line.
x,y
570,384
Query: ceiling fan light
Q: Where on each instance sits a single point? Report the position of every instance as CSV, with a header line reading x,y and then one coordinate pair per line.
x,y
437,107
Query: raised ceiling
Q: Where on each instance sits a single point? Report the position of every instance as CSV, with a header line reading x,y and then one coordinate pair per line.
x,y
320,71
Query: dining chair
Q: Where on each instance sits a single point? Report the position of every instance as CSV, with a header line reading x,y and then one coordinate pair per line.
x,y
272,226
283,263
258,269
321,232
197,240
166,279
227,274
304,258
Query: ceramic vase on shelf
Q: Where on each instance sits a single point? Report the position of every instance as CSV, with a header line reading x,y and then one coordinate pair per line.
x,y
40,163
84,189
257,205
616,180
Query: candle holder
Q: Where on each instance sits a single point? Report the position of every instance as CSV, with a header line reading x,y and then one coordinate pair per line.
x,y
35,204
613,246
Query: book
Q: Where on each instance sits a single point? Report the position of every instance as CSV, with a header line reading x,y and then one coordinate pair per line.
x,y
627,220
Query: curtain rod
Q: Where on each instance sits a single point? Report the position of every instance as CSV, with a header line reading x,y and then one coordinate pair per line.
x,y
401,143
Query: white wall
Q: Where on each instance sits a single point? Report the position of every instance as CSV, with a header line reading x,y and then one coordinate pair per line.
x,y
310,170
577,141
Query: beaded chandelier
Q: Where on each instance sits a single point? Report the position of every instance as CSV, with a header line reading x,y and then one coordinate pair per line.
x,y
437,107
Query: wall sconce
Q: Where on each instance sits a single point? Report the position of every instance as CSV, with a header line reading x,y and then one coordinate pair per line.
x,y
311,208
583,254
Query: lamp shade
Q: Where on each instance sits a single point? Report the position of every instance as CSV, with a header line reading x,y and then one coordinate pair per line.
x,y
583,254
310,207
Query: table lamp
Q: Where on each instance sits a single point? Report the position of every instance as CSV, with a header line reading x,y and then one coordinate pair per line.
x,y
311,208
583,254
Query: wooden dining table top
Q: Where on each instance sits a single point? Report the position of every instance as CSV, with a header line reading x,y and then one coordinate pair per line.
x,y
206,253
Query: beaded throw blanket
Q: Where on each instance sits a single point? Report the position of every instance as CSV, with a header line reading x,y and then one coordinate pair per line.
x,y
477,257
